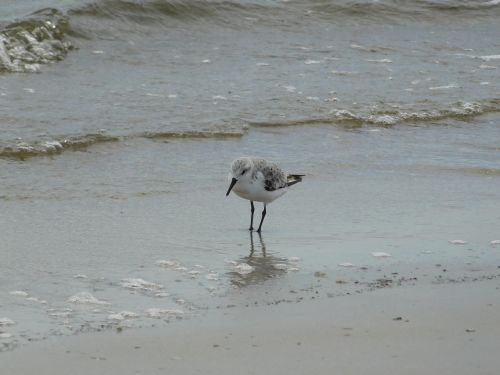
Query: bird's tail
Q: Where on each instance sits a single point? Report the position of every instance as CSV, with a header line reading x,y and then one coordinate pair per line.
x,y
292,179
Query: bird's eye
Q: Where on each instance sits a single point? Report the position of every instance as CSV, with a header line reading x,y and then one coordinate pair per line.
x,y
242,173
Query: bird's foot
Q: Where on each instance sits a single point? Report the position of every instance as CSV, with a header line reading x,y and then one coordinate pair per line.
x,y
251,228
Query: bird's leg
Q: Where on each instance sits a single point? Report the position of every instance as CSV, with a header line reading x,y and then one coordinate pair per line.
x,y
262,219
252,209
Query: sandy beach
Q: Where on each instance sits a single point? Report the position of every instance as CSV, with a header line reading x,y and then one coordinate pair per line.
x,y
120,252
451,328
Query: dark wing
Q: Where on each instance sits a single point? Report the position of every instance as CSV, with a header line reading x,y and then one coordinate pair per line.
x,y
274,178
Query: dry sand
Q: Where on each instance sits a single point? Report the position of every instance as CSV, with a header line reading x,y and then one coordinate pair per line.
x,y
438,329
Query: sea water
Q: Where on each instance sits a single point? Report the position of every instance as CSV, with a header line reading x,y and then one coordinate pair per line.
x,y
119,120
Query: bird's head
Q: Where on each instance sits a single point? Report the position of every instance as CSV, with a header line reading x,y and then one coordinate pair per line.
x,y
240,171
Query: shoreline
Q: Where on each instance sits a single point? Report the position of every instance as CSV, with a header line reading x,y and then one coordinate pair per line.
x,y
411,329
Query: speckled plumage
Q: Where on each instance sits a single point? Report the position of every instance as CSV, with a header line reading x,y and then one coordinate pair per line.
x,y
274,177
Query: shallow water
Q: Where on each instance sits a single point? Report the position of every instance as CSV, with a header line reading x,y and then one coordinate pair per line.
x,y
114,155
77,230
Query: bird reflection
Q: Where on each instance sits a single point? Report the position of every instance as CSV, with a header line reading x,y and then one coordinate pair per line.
x,y
252,245
258,265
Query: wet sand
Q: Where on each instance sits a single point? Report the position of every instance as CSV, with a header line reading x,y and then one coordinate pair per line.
x,y
451,328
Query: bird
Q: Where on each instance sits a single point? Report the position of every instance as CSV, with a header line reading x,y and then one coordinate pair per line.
x,y
259,180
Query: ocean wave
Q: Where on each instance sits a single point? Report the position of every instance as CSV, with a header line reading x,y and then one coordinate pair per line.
x,y
461,5
37,39
41,37
474,171
121,8
194,134
24,150
403,9
343,117
146,11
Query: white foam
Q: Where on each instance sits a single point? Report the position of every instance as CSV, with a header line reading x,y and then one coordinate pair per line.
x,y
495,242
162,294
219,97
18,293
32,67
290,88
309,62
468,108
490,57
118,317
447,87
384,61
206,61
30,90
139,284
383,119
331,99
294,259
357,46
285,267
122,315
262,64
80,276
484,66
457,242
343,114
212,276
6,322
60,314
86,298
98,52
172,96
34,299
5,335
159,313
52,146
244,268
346,264
380,254
167,263
280,266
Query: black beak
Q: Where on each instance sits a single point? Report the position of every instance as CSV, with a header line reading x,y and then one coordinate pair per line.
x,y
233,181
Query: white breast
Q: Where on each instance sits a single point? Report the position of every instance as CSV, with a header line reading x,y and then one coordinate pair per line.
x,y
254,191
